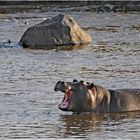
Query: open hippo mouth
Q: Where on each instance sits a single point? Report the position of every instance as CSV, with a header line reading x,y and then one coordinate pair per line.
x,y
66,101
60,86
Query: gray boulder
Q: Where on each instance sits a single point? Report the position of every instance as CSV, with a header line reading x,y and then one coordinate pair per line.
x,y
57,31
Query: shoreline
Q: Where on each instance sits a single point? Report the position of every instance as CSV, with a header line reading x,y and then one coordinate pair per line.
x,y
91,6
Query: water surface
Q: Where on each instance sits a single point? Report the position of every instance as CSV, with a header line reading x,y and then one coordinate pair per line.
x,y
28,103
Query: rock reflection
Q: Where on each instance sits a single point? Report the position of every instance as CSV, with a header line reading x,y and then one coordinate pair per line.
x,y
65,47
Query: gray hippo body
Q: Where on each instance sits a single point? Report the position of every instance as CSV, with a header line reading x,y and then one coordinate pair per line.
x,y
124,100
87,97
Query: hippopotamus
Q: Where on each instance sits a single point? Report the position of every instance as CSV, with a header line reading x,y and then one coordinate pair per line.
x,y
80,96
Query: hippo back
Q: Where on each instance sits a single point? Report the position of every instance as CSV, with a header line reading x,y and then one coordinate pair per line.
x,y
124,100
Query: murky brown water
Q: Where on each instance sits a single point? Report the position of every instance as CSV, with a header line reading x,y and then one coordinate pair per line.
x,y
28,104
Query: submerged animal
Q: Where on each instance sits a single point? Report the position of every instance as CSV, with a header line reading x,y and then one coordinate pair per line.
x,y
80,96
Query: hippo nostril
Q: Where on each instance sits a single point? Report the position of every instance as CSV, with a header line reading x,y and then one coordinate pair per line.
x,y
56,88
59,86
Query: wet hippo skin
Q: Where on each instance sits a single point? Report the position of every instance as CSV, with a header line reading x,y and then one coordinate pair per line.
x,y
87,97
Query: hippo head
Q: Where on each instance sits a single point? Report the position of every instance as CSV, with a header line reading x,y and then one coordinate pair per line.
x,y
78,96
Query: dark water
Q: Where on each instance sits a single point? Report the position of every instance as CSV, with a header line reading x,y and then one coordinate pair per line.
x,y
28,104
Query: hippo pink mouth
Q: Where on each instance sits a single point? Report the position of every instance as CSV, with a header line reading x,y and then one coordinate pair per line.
x,y
66,101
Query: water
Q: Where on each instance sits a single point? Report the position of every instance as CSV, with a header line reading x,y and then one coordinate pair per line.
x,y
28,103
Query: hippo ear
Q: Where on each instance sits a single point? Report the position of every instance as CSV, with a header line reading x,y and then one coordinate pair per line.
x,y
90,86
75,81
87,83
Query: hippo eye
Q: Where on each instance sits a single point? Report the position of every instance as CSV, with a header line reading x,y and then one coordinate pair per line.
x,y
75,80
72,89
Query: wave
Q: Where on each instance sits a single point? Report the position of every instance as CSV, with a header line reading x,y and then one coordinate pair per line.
x,y
9,44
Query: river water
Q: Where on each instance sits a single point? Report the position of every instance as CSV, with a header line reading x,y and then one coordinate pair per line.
x,y
28,103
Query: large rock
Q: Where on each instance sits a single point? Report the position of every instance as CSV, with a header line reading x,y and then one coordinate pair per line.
x,y
58,31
